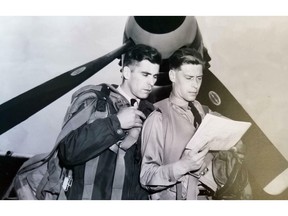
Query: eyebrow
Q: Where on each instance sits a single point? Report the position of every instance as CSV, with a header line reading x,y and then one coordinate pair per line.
x,y
193,76
146,72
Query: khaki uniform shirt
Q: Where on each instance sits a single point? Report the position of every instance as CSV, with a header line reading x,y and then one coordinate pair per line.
x,y
164,138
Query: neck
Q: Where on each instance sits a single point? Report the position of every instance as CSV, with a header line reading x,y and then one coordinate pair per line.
x,y
179,100
126,90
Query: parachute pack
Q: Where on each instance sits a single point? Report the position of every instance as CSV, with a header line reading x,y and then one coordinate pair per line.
x,y
42,177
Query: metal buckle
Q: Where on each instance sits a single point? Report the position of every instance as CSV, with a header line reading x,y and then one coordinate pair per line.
x,y
67,183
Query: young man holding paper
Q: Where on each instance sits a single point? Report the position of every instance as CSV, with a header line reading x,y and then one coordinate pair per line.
x,y
169,169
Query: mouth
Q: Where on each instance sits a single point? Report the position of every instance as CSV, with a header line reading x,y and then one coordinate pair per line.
x,y
193,93
147,90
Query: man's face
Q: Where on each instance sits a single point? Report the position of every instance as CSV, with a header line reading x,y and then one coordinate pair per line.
x,y
186,81
142,78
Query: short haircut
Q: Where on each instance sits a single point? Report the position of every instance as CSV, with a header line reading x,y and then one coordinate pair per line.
x,y
141,52
185,55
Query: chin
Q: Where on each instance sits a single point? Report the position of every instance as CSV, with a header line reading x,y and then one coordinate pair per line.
x,y
191,99
144,97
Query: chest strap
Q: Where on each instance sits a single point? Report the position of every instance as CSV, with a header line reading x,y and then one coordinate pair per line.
x,y
119,176
89,178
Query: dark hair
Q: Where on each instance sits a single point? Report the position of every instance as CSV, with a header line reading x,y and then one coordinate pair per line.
x,y
142,52
185,55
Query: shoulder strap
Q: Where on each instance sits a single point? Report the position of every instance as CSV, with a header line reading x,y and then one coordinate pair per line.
x,y
206,109
164,110
92,165
99,101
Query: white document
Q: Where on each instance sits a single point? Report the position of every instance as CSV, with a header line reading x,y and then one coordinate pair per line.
x,y
219,133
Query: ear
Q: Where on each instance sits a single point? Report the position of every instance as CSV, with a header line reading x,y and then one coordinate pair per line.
x,y
172,75
126,73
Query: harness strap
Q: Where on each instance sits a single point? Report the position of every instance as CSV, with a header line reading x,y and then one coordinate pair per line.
x,y
119,175
92,165
179,191
78,120
62,195
65,186
89,178
192,189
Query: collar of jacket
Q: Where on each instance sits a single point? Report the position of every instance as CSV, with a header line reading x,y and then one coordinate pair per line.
x,y
120,101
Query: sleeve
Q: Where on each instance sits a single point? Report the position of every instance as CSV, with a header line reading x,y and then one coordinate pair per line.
x,y
89,140
154,174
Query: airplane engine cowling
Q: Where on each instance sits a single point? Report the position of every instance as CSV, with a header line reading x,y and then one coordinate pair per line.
x,y
166,34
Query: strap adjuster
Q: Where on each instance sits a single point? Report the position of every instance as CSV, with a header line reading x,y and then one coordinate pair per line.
x,y
67,183
119,145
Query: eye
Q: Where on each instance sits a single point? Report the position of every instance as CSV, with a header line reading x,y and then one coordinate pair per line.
x,y
156,76
145,74
199,78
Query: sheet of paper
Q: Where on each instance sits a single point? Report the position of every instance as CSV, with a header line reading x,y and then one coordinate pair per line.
x,y
218,133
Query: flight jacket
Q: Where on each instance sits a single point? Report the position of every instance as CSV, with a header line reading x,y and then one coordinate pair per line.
x,y
94,140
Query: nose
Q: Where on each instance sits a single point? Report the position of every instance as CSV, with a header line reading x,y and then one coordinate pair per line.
x,y
195,83
151,80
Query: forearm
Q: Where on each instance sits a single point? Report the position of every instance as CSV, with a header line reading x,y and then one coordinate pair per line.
x,y
89,140
155,177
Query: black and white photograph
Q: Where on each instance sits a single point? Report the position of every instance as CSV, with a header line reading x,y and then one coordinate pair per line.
x,y
142,107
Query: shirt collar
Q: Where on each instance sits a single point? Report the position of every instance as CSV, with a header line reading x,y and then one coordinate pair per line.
x,y
178,102
123,93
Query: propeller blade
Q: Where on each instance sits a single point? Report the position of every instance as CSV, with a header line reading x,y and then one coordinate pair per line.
x,y
25,105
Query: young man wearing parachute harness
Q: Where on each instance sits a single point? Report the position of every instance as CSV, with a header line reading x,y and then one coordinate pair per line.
x,y
104,152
